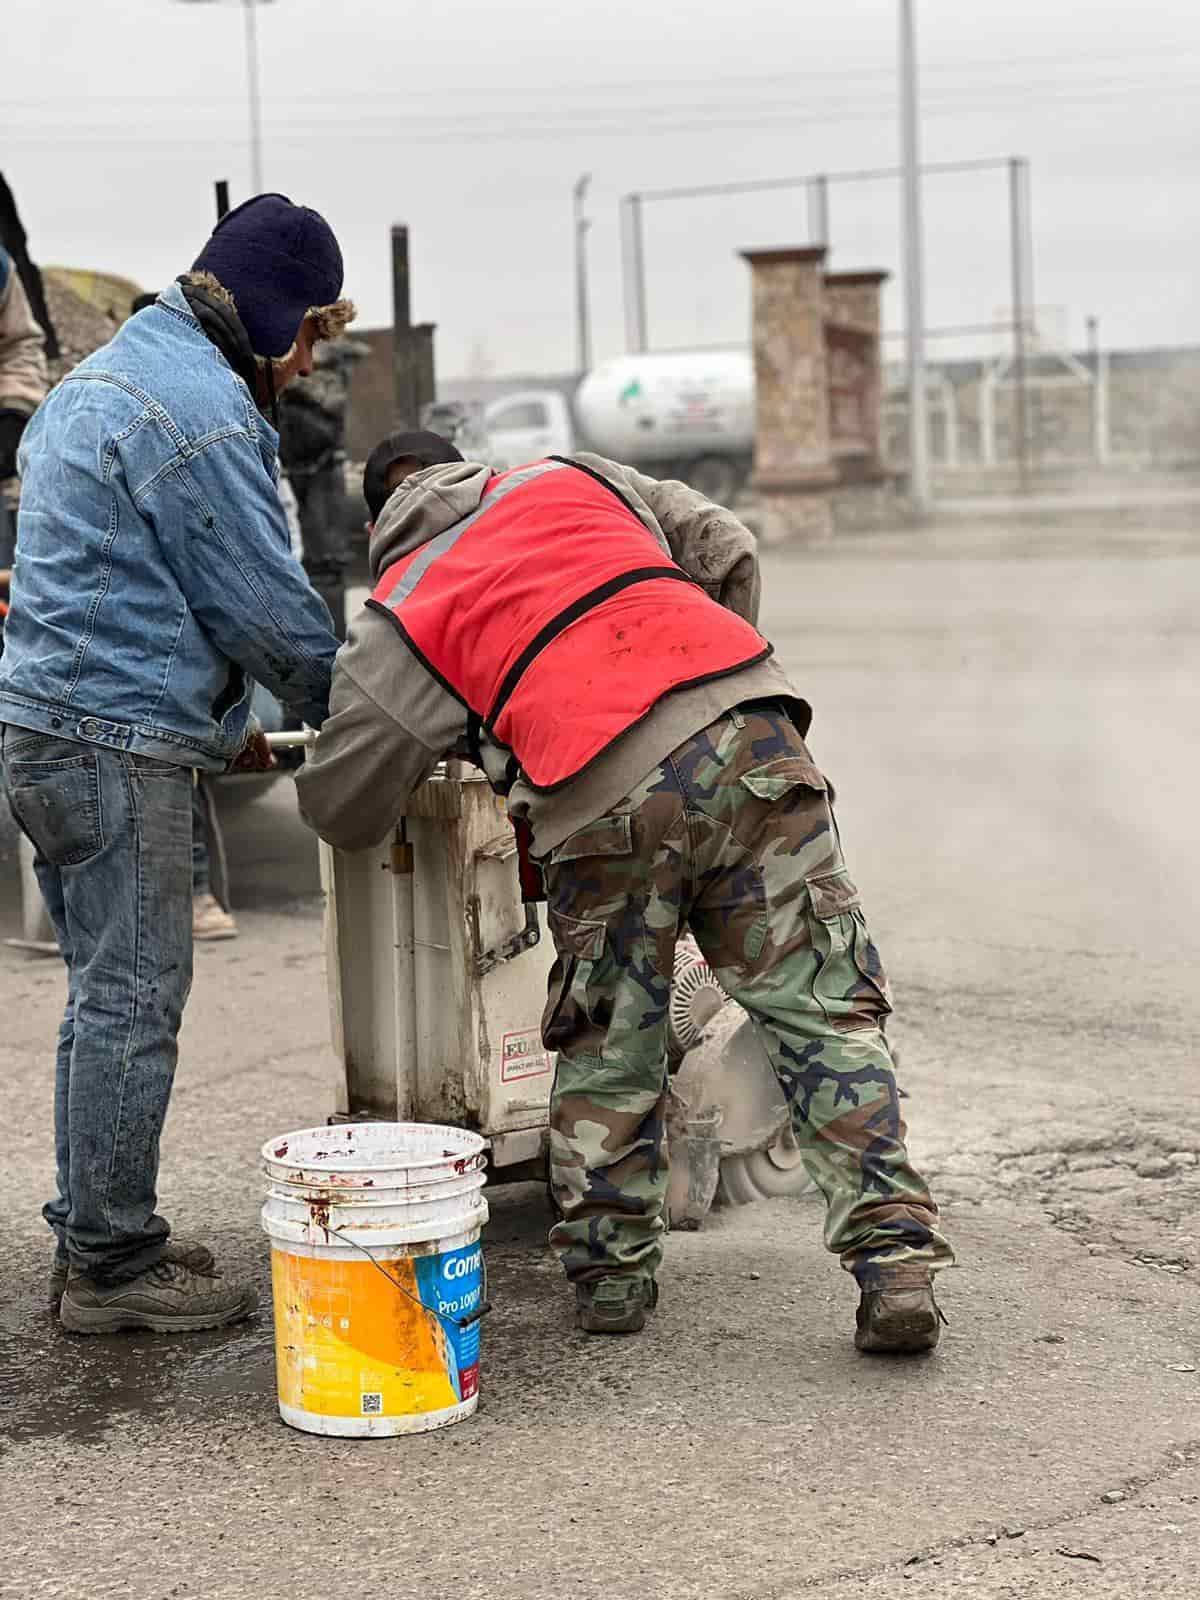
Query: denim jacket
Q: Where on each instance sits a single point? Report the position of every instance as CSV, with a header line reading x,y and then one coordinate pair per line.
x,y
154,575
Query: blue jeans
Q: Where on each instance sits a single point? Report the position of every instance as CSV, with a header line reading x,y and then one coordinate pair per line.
x,y
113,835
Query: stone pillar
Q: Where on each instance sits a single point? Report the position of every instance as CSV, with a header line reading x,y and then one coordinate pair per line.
x,y
793,467
853,307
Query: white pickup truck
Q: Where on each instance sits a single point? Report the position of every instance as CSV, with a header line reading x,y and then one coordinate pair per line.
x,y
686,415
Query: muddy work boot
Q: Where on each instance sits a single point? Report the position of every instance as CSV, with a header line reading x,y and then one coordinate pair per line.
x,y
169,1297
615,1305
197,1256
899,1316
57,1281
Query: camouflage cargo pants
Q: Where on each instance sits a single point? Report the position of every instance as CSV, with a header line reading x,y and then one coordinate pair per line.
x,y
732,835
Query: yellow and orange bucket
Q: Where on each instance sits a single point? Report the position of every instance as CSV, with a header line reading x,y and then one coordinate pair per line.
x,y
378,1276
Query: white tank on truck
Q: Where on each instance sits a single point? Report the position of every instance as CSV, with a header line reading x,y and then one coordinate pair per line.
x,y
687,414
641,408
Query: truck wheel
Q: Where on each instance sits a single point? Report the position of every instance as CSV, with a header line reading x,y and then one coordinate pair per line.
x,y
774,1174
716,477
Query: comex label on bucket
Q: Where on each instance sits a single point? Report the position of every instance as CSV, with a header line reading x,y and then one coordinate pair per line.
x,y
464,1269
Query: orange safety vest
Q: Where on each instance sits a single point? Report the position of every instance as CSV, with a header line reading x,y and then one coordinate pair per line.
x,y
554,616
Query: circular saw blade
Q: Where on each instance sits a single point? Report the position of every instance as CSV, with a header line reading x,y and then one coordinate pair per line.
x,y
696,997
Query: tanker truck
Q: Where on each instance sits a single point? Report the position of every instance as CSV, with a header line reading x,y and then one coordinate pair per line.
x,y
687,415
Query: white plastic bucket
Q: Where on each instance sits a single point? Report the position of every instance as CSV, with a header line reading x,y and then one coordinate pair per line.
x,y
377,1273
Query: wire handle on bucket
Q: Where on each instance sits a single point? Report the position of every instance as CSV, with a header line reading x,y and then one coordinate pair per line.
x,y
471,1318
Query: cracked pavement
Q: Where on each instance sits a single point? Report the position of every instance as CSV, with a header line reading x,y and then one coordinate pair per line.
x,y
1009,714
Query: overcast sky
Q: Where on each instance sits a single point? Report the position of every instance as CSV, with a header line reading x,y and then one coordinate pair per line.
x,y
471,121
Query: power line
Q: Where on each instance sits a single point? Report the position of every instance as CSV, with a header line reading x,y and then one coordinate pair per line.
x,y
1059,66
962,97
607,121
540,118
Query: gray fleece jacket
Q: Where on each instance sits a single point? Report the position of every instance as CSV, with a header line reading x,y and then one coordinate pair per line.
x,y
390,722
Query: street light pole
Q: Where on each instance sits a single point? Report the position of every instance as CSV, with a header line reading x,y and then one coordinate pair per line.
x,y
914,285
635,306
583,332
1021,319
250,16
250,7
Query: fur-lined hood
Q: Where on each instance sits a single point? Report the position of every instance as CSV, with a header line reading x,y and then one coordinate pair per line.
x,y
330,321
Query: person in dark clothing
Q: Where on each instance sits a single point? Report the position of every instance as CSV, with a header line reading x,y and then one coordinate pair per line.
x,y
312,430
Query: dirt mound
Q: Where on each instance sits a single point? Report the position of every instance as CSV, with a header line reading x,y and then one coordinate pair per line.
x,y
81,327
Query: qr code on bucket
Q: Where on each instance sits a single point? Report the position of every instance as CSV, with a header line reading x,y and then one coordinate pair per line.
x,y
372,1404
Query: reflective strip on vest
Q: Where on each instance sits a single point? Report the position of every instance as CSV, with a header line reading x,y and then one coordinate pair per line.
x,y
428,553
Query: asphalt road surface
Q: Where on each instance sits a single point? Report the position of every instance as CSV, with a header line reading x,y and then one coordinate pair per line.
x,y
1009,714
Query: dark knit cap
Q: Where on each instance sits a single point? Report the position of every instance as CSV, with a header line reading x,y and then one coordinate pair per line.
x,y
426,449
277,260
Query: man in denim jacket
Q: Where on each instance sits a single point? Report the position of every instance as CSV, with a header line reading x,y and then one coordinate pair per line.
x,y
154,583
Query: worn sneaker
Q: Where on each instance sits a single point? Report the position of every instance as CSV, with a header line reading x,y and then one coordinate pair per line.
x,y
170,1297
210,920
615,1305
197,1256
900,1317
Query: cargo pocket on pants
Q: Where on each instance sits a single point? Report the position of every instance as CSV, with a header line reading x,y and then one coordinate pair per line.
x,y
577,943
773,779
590,869
590,992
785,786
607,1007
850,985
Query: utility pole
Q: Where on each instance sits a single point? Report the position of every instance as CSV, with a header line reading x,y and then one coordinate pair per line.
x,y
414,382
250,7
818,209
1021,319
914,271
1099,367
403,387
635,309
583,331
250,17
